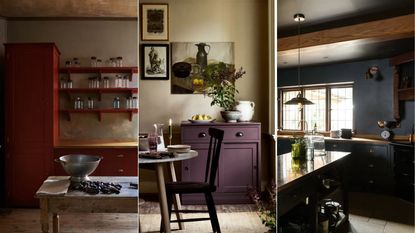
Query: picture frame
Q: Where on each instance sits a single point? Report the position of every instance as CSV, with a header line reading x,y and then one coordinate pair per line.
x,y
154,22
155,61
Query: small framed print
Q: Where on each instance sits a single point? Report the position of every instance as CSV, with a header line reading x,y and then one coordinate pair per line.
x,y
155,61
155,22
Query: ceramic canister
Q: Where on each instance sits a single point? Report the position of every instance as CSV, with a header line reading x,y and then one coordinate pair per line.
x,y
246,108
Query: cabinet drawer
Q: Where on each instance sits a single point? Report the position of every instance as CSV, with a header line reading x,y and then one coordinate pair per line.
x,y
288,199
201,133
240,134
339,146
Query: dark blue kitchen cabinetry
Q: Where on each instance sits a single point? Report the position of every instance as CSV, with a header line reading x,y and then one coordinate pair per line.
x,y
283,146
369,169
403,169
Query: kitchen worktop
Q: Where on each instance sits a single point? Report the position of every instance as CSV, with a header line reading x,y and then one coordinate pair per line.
x,y
96,144
292,171
353,139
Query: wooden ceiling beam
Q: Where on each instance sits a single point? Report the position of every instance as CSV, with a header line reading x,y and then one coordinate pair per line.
x,y
380,30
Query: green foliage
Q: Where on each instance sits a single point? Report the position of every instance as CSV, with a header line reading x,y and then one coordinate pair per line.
x,y
220,82
266,204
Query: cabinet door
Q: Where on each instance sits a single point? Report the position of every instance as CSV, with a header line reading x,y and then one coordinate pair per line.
x,y
238,167
195,169
29,119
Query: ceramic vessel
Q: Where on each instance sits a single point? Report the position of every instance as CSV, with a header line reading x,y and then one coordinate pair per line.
x,y
246,108
230,116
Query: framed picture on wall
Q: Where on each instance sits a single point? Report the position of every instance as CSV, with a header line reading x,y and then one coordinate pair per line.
x,y
155,21
155,61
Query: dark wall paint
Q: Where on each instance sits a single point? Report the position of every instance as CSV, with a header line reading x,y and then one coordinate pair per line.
x,y
372,98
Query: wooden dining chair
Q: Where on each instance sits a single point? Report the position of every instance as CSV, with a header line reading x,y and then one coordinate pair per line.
x,y
207,187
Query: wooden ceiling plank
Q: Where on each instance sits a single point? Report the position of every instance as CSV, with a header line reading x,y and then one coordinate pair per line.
x,y
380,30
400,59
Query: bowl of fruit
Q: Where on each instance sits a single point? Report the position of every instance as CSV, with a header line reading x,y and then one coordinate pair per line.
x,y
201,118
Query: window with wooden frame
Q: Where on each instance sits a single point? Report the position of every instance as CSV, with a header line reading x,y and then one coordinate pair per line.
x,y
332,108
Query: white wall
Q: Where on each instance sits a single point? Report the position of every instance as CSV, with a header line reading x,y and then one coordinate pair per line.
x,y
241,21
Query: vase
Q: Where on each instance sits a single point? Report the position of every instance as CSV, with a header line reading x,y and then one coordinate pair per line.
x,y
246,108
297,151
230,116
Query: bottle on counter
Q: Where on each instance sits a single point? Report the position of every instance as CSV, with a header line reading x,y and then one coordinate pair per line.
x,y
76,62
63,83
128,102
90,103
69,83
105,82
93,61
79,103
134,102
119,62
99,62
125,81
116,103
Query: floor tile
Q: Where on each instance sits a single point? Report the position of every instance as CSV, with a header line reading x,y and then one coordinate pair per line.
x,y
393,227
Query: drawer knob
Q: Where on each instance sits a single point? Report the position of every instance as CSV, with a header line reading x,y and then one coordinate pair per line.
x,y
186,168
120,156
371,165
334,146
371,182
239,134
120,170
202,135
371,150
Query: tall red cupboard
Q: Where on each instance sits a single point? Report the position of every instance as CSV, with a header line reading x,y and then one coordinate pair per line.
x,y
31,105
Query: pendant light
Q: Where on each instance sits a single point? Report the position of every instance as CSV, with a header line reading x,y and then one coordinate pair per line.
x,y
299,99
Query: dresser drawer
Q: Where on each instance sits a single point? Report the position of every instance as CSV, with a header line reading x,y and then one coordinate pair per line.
x,y
232,133
239,133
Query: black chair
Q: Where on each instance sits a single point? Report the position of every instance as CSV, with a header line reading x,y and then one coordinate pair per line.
x,y
207,187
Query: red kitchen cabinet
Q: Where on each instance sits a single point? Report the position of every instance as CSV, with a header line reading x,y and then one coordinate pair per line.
x,y
239,163
31,118
115,161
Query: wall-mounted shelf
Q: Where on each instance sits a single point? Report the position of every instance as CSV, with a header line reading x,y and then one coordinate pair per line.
x,y
99,112
400,94
406,94
99,70
99,91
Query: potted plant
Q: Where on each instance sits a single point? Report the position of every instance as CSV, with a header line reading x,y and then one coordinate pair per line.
x,y
220,86
266,204
298,148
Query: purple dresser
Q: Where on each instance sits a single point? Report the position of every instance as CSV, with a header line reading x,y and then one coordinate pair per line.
x,y
239,164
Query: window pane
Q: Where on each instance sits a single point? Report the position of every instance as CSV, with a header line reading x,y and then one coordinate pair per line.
x,y
290,113
341,108
315,114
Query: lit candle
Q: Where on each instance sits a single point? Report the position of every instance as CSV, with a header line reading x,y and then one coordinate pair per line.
x,y
170,131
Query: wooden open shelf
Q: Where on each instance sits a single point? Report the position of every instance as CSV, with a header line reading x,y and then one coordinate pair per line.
x,y
99,70
99,91
99,112
406,94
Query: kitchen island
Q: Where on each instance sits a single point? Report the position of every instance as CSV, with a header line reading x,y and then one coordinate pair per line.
x,y
307,183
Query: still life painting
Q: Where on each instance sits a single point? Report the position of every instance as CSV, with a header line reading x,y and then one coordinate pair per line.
x,y
189,60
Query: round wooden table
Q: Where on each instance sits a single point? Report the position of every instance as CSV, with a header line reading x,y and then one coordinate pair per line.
x,y
158,163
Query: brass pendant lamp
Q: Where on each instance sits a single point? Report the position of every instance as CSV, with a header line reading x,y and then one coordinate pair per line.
x,y
299,99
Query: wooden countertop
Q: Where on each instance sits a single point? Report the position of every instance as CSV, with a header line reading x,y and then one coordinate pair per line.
x,y
342,140
96,144
373,139
292,171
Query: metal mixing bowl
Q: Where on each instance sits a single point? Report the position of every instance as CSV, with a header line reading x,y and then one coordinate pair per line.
x,y
79,166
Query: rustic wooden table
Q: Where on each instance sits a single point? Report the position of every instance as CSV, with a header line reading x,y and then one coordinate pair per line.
x,y
79,202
